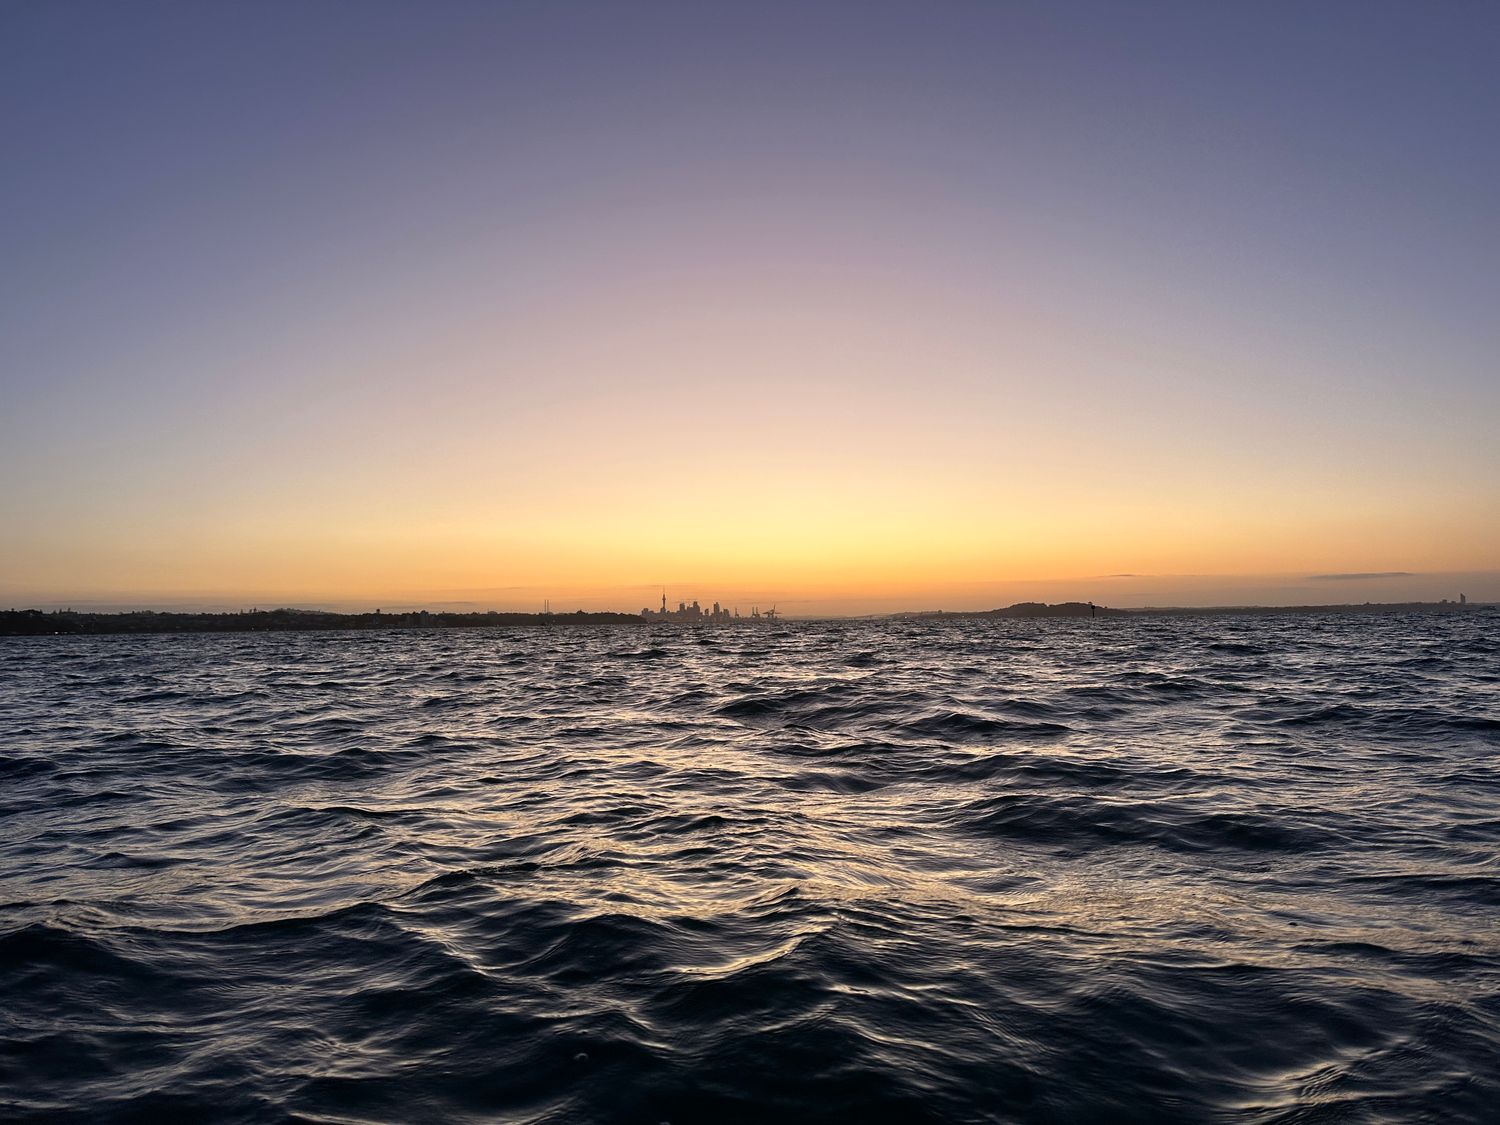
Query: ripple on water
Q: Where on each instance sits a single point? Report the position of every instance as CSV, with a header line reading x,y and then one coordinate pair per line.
x,y
1128,870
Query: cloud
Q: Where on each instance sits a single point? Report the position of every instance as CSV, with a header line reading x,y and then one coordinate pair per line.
x,y
1360,576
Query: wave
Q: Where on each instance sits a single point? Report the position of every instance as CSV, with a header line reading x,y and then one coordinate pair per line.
x,y
920,871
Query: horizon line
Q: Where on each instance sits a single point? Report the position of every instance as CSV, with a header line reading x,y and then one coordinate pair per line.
x,y
406,610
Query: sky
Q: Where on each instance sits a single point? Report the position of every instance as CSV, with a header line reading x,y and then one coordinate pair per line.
x,y
846,307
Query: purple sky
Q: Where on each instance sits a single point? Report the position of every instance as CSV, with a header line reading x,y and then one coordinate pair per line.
x,y
846,302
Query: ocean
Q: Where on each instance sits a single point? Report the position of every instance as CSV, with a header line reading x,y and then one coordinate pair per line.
x,y
1123,870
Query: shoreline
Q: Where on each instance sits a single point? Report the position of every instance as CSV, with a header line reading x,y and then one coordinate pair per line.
x,y
35,622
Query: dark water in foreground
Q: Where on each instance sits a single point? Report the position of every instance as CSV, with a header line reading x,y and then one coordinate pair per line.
x,y
1146,870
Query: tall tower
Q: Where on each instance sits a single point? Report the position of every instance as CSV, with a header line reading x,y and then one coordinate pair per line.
x,y
664,599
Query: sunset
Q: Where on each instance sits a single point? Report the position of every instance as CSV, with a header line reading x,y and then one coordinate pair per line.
x,y
726,562
566,299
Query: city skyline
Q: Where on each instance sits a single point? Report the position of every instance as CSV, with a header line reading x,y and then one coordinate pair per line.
x,y
1118,591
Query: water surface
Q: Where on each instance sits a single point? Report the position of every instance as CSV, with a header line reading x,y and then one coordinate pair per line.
x,y
1154,870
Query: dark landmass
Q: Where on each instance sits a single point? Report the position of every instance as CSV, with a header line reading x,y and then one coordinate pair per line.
x,y
1355,607
1029,609
34,622
1086,609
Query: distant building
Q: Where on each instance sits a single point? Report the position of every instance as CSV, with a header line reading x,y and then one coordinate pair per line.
x,y
686,612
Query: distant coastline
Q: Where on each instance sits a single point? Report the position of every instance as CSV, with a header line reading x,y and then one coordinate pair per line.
x,y
35,622
66,622
1088,609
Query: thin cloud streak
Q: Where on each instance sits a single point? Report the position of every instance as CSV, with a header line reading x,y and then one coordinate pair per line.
x,y
1362,575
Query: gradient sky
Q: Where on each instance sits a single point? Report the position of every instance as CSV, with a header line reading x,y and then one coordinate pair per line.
x,y
849,306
